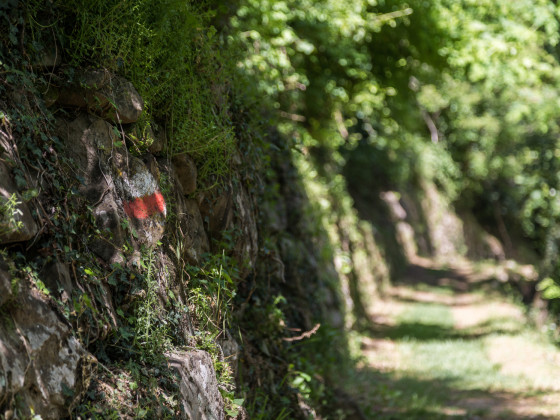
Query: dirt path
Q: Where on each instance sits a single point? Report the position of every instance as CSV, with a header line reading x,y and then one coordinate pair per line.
x,y
445,344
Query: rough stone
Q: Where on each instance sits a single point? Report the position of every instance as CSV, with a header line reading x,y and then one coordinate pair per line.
x,y
5,284
216,209
56,277
189,223
112,98
48,58
246,247
85,139
201,397
94,148
87,93
129,103
274,215
108,221
115,184
159,145
40,360
186,172
142,200
230,351
51,96
10,216
94,78
153,167
196,242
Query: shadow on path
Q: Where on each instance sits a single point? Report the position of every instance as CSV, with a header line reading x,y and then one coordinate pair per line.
x,y
431,361
460,279
389,396
429,332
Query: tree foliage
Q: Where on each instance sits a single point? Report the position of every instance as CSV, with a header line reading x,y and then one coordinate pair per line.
x,y
461,92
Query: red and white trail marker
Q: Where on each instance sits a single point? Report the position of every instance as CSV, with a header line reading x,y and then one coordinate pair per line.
x,y
147,200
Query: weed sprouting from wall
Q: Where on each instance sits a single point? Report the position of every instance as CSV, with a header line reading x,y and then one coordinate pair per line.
x,y
151,334
10,215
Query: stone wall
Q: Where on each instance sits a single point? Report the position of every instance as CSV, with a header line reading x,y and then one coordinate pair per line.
x,y
130,205
45,367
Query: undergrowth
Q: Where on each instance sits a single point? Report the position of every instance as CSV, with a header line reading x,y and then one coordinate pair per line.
x,y
129,340
170,53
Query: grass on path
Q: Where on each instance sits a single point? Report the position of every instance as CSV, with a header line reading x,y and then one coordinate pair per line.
x,y
443,352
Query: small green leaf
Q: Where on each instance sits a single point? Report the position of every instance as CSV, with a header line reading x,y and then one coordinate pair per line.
x,y
87,302
549,288
41,286
232,413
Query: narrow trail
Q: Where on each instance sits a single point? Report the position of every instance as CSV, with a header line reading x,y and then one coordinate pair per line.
x,y
446,344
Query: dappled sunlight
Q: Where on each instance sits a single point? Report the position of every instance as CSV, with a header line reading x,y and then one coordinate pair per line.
x,y
529,356
436,350
434,125
390,393
353,208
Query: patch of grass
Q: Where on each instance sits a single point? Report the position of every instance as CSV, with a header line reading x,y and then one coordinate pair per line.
x,y
151,333
428,314
211,291
422,322
462,362
434,370
432,349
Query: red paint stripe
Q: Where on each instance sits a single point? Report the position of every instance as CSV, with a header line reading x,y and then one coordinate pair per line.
x,y
144,207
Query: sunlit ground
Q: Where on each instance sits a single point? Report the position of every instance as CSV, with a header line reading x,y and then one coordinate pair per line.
x,y
446,344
